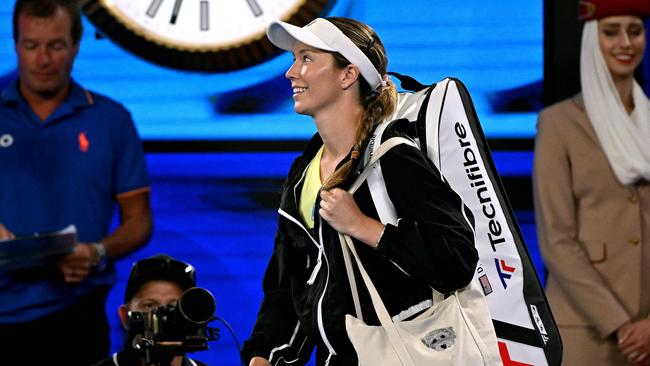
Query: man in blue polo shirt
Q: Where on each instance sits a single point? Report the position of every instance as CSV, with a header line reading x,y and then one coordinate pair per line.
x,y
67,156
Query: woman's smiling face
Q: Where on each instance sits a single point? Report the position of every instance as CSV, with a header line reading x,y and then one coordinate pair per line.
x,y
622,43
315,79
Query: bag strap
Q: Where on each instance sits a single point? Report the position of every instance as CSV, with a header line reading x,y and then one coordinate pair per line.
x,y
377,154
348,247
409,83
351,278
385,208
382,313
383,148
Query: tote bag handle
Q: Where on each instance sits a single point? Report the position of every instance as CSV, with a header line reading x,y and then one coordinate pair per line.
x,y
348,247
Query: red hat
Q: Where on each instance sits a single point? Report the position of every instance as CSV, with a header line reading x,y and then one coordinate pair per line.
x,y
596,9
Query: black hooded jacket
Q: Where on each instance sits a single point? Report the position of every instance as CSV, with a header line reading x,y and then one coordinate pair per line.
x,y
432,246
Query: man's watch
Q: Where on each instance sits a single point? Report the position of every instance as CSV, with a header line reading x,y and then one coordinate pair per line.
x,y
101,259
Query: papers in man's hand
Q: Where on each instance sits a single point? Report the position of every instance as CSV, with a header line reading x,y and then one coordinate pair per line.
x,y
36,250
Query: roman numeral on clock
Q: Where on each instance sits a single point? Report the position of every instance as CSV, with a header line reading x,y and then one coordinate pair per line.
x,y
205,16
255,7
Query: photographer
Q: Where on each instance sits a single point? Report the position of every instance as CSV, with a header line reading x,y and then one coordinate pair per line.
x,y
154,282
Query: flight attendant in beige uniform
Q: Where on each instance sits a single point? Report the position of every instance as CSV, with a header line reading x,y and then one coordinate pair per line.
x,y
592,196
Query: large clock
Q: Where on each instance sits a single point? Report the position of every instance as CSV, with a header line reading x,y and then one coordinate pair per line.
x,y
199,35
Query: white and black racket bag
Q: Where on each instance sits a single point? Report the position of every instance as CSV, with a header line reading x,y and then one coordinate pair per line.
x,y
444,124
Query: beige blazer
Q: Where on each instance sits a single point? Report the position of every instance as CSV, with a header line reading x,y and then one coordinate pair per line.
x,y
594,233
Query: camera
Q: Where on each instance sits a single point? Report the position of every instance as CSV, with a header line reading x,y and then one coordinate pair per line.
x,y
173,330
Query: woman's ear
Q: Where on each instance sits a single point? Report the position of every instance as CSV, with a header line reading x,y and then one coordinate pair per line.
x,y
349,75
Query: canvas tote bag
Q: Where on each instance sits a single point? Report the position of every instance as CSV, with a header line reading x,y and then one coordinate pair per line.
x,y
456,330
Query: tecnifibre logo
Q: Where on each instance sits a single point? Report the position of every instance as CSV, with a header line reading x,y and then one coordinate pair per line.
x,y
504,271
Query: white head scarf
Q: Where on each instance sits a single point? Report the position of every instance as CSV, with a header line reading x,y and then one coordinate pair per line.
x,y
625,138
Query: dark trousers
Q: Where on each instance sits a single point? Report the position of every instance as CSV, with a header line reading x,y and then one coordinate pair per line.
x,y
75,336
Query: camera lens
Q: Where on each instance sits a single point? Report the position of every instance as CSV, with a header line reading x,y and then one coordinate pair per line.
x,y
197,305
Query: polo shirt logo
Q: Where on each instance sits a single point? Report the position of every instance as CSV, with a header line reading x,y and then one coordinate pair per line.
x,y
6,140
84,144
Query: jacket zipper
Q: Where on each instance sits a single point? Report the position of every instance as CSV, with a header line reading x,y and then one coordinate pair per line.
x,y
321,255
314,273
317,267
321,326
319,263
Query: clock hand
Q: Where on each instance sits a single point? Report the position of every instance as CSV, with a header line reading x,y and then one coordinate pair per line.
x,y
255,7
153,8
177,8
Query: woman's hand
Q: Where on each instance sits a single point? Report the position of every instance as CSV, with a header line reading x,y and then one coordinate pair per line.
x,y
634,342
338,208
259,361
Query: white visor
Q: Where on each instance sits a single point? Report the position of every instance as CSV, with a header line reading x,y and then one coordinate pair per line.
x,y
322,34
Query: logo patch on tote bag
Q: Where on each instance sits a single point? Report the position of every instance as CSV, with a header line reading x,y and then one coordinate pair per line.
x,y
440,339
